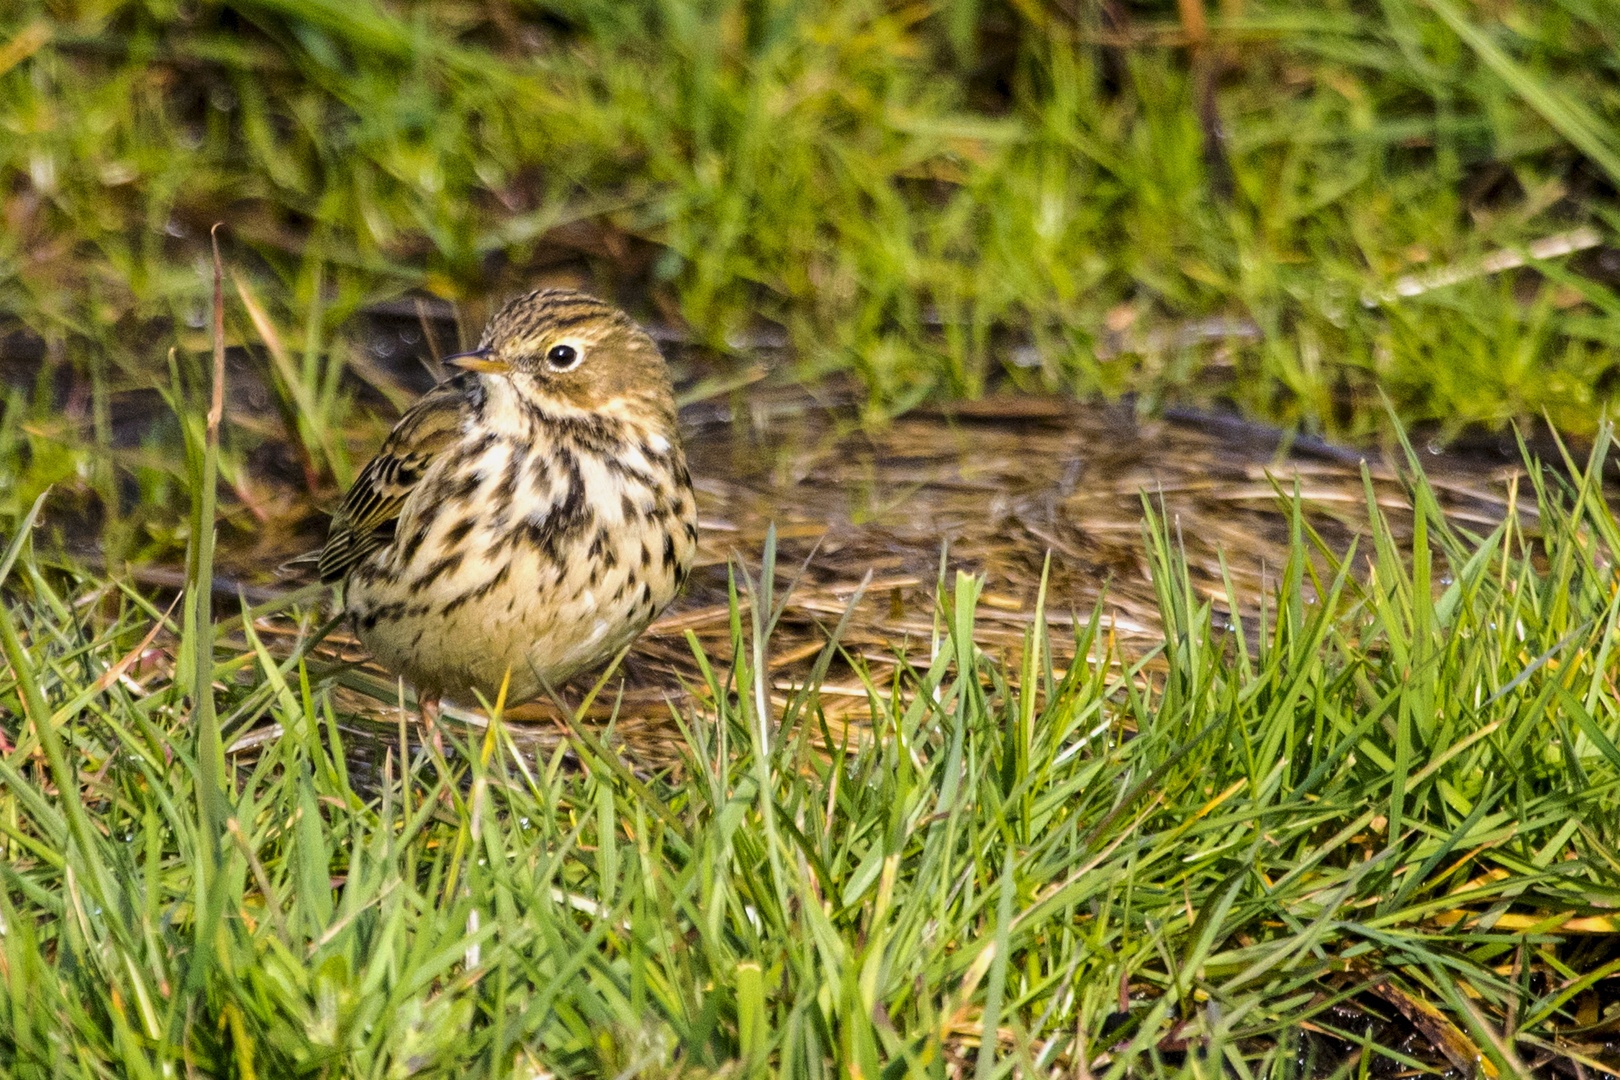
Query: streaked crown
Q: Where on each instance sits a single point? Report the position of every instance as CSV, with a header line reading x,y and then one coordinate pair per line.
x,y
567,345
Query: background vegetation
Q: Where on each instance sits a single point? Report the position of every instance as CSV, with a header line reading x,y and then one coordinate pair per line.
x,y
1371,831
933,197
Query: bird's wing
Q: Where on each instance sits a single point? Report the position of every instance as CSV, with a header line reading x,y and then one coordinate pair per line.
x,y
365,520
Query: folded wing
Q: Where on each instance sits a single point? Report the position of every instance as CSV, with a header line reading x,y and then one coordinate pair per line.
x,y
365,520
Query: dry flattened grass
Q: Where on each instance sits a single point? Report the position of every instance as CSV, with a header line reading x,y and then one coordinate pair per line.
x,y
867,517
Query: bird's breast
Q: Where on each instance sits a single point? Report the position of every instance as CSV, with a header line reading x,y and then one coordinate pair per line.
x,y
540,556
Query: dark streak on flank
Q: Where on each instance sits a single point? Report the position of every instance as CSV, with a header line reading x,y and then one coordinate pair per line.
x,y
616,463
448,487
413,543
469,451
458,532
479,593
602,551
382,613
438,569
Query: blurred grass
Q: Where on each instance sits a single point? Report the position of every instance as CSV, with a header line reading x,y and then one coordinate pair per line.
x,y
1374,834
1387,811
933,197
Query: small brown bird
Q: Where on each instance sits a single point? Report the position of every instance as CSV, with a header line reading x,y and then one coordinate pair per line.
x,y
528,517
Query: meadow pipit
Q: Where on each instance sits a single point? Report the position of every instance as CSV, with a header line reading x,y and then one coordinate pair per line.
x,y
528,517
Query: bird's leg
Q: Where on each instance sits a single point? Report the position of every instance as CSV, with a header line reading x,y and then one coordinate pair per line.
x,y
428,708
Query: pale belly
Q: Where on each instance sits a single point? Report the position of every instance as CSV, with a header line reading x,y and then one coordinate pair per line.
x,y
534,599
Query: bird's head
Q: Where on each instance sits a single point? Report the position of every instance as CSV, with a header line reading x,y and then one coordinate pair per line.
x,y
574,352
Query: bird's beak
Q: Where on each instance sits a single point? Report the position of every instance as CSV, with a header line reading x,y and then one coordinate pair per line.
x,y
477,360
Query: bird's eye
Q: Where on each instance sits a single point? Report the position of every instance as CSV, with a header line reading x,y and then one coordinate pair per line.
x,y
562,358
